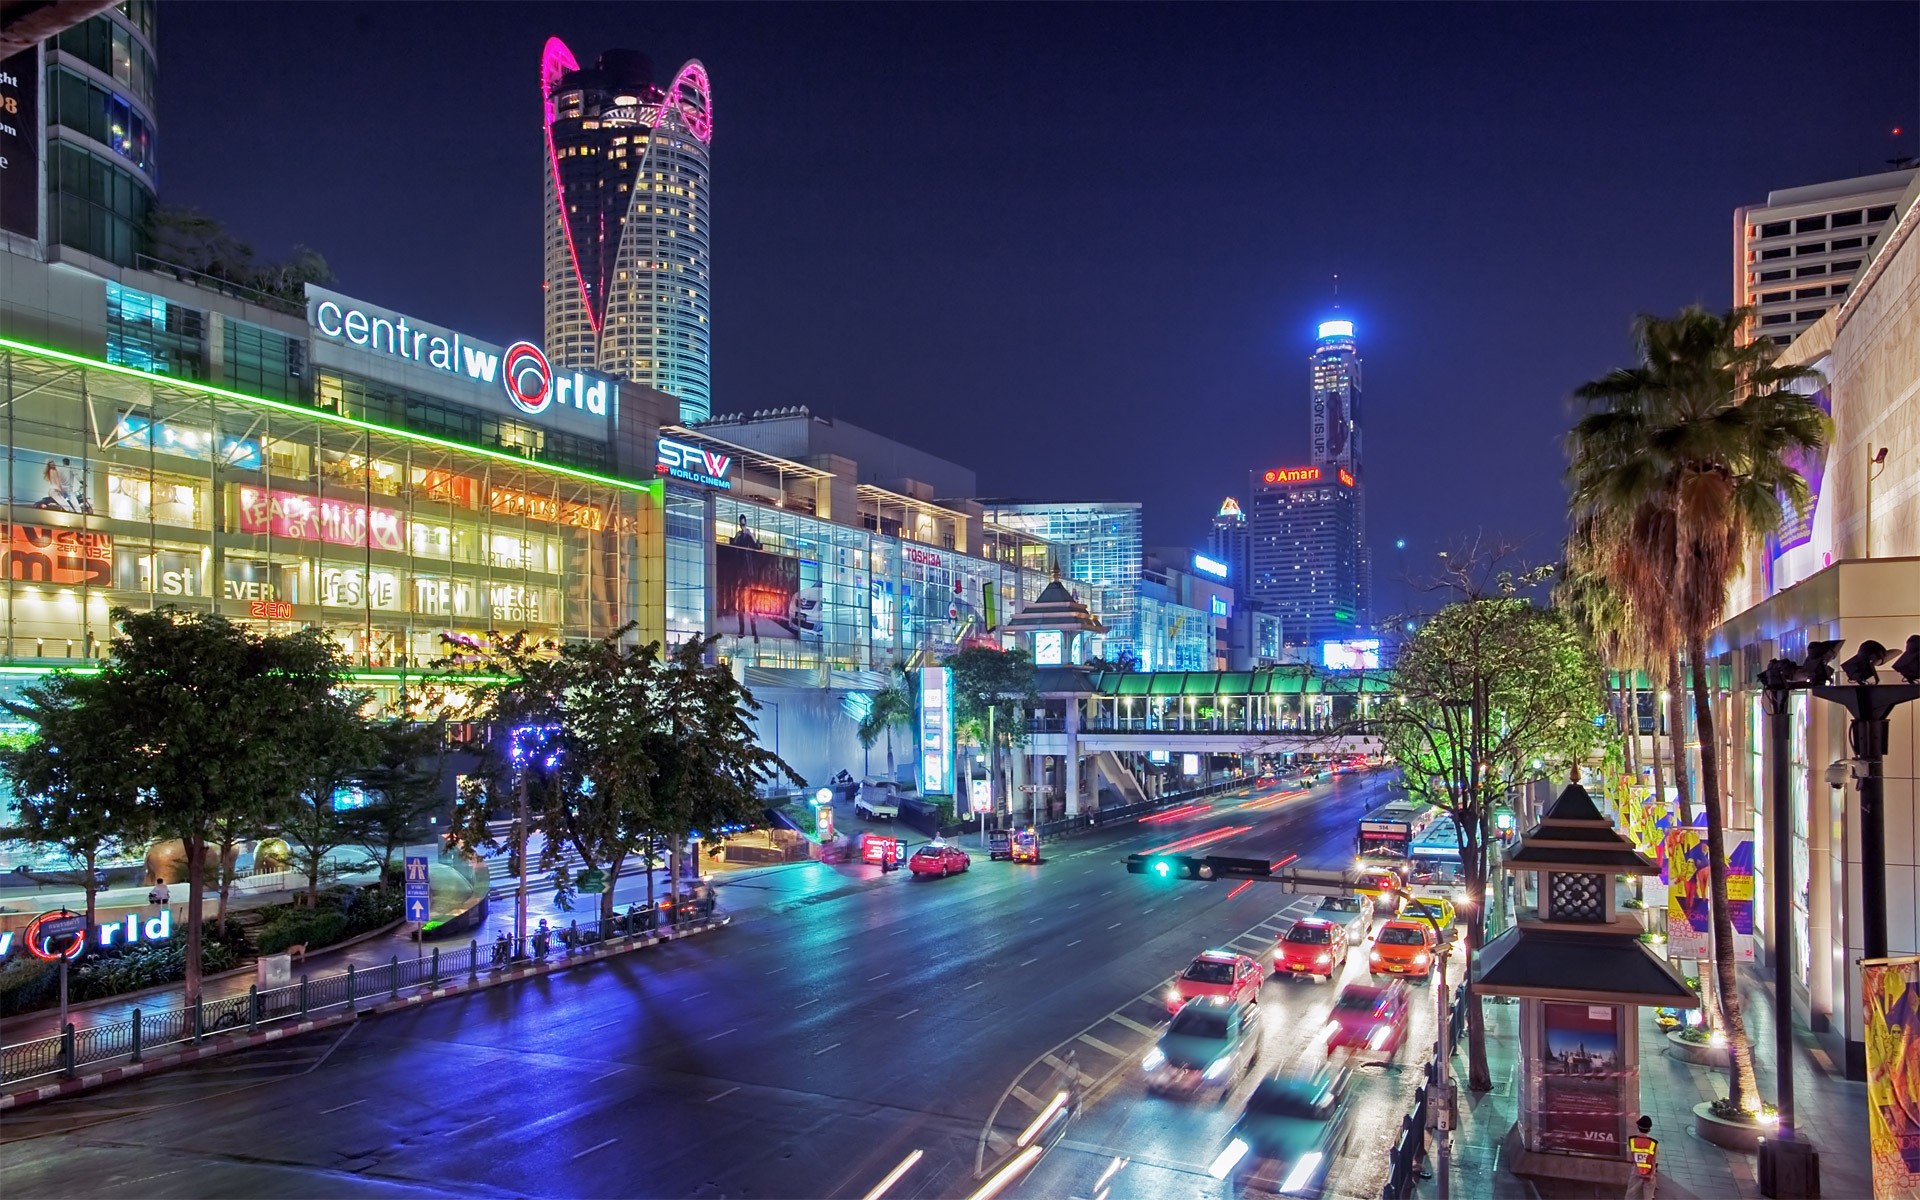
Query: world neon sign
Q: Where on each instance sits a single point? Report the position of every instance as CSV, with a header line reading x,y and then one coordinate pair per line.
x,y
50,927
522,370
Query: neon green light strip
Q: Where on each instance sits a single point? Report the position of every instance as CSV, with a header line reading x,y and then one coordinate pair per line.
x,y
393,677
653,487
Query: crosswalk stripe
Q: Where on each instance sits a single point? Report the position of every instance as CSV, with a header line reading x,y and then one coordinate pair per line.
x,y
1101,1046
1028,1098
1130,1023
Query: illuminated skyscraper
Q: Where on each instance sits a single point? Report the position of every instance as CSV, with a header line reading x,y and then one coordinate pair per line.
x,y
1227,541
627,270
1336,436
1303,557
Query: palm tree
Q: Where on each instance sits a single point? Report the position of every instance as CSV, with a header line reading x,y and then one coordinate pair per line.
x,y
1679,464
893,707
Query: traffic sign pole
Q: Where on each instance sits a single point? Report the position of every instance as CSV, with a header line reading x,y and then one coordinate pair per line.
x,y
419,889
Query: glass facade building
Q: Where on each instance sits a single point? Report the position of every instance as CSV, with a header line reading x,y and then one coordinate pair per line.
x,y
102,139
1105,549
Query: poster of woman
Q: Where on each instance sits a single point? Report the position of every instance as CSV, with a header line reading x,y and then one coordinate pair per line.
x,y
53,482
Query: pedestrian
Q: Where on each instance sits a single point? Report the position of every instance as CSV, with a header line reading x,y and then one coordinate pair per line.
x,y
1645,1151
159,895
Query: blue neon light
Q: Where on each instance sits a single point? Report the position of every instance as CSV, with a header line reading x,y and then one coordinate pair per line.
x,y
1336,329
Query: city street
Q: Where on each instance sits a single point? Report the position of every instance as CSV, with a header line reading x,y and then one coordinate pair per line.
x,y
844,1021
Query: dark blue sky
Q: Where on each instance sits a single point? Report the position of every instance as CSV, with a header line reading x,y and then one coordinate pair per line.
x,y
1083,248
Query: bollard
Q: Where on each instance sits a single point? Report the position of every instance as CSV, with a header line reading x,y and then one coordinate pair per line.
x,y
473,959
66,1050
393,980
136,1036
353,991
434,970
253,1008
303,995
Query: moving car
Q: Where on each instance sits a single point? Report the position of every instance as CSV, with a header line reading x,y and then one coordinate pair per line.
x,y
1219,975
1294,1126
1314,946
1378,884
1439,909
999,844
1205,1046
938,858
1402,948
1370,1019
877,803
1355,912
1025,846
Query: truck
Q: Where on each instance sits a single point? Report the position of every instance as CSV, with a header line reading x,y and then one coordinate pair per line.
x,y
877,803
1355,912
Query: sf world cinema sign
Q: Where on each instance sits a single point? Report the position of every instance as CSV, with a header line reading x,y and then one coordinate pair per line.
x,y
692,464
520,373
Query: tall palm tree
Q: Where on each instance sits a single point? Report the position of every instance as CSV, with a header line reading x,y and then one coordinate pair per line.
x,y
1680,462
893,707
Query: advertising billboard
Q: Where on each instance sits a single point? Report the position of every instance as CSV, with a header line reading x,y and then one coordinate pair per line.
x,y
20,187
1804,542
310,518
936,731
1354,654
1891,990
1581,1106
758,595
51,481
1689,883
61,557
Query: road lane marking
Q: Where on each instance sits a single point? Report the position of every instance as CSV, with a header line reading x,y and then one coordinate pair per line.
x,y
325,1111
1036,920
723,1095
1109,891
898,932
1075,942
1029,962
1076,904
1103,1047
469,1125
804,1003
695,996
1116,925
1132,1024
881,975
776,971
818,1053
716,1037
1145,911
903,1016
976,983
608,1075
601,1146
601,1025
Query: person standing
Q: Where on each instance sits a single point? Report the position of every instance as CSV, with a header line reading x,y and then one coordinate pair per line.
x,y
1644,1149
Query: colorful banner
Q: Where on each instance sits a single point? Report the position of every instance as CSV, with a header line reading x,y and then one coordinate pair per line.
x,y
1892,988
51,481
1689,904
1580,1079
61,557
310,518
758,595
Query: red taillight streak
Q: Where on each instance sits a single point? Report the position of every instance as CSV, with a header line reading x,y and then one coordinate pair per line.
x,y
1243,887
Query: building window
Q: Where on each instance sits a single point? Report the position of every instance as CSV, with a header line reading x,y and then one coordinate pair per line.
x,y
87,108
1807,294
112,50
1852,243
151,333
261,362
1803,272
1811,248
1770,297
1815,315
1879,213
94,205
1850,265
1777,319
1841,219
1775,229
1781,252
1770,276
1809,224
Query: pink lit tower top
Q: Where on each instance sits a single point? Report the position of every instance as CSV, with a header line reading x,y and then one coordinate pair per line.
x,y
628,277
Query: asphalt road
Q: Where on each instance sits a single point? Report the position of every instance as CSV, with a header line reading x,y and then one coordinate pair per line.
x,y
845,1020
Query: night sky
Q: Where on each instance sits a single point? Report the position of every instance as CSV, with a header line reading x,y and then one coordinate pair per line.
x,y
1083,249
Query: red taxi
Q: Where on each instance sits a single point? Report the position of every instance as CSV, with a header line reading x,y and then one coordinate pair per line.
x,y
1314,946
1217,975
938,858
1370,1019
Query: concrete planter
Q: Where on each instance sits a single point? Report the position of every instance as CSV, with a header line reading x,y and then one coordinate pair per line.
x,y
1743,1136
1700,1054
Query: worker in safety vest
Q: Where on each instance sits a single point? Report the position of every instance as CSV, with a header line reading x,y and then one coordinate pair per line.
x,y
1645,1152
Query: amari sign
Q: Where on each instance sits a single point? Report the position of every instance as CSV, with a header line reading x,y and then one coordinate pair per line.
x,y
518,379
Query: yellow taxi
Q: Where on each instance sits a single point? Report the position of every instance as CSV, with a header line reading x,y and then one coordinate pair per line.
x,y
1429,906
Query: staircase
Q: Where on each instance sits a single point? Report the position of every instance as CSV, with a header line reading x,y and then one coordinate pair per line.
x,y
1113,785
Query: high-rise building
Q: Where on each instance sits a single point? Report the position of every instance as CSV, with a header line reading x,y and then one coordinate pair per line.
x,y
90,87
1336,434
1304,551
1797,255
1227,542
628,278
1106,548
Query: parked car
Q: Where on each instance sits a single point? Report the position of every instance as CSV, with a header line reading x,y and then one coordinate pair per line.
x,y
1294,1126
1204,1046
939,858
1313,946
1217,975
1370,1019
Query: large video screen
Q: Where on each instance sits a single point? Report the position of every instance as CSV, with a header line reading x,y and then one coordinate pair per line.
x,y
1354,654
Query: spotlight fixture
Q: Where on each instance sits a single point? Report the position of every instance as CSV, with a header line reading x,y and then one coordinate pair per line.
x,y
1820,656
1864,666
1907,666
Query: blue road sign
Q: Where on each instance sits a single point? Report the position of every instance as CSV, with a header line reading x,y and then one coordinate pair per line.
x,y
419,889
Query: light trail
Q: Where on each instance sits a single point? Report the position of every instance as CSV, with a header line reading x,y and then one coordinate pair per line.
x,y
893,1176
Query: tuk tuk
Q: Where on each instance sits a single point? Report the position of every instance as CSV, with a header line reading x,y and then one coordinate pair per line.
x,y
1025,846
999,844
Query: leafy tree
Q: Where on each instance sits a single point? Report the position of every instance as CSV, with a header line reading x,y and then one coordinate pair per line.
x,y
205,706
331,745
894,707
1487,686
990,689
401,784
73,794
1679,464
189,238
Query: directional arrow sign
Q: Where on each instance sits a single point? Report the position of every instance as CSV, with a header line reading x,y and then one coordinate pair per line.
x,y
419,889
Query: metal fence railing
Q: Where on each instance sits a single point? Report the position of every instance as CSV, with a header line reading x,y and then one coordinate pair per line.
x,y
65,1053
1409,1149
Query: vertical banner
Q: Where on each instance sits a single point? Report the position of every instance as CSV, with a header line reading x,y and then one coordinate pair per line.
x,y
1580,1079
20,185
1689,888
936,731
1740,897
1892,998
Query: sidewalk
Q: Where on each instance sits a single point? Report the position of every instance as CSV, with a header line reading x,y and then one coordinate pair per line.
x,y
1830,1112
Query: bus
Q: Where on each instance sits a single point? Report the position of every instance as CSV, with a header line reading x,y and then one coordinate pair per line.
x,y
1389,832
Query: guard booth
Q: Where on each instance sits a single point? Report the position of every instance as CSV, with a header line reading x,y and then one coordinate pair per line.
x,y
1579,970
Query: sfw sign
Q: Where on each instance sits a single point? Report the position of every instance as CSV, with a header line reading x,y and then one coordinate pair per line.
x,y
693,464
521,372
